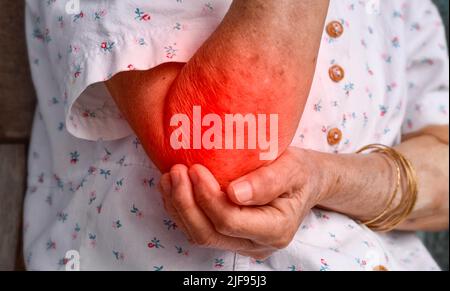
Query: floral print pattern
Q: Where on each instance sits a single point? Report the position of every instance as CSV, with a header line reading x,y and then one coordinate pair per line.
x,y
91,186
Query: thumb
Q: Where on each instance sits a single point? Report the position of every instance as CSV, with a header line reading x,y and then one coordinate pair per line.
x,y
266,183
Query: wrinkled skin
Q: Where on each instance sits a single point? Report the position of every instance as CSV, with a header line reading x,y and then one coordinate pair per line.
x,y
227,76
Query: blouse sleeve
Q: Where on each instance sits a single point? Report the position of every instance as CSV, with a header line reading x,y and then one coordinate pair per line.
x,y
427,67
88,42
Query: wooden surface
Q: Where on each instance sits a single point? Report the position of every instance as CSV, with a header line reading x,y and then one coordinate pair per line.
x,y
16,90
12,181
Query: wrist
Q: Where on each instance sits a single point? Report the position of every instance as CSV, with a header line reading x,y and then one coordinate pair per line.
x,y
330,179
357,185
318,174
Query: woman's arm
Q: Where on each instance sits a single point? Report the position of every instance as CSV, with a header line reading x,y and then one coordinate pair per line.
x,y
361,185
261,59
282,193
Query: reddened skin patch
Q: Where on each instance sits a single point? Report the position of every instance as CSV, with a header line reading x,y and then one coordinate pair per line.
x,y
226,128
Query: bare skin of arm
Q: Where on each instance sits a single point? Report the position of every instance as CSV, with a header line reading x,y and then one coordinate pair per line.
x,y
361,185
282,193
227,75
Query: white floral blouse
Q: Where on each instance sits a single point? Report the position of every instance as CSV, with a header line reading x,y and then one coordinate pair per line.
x,y
382,72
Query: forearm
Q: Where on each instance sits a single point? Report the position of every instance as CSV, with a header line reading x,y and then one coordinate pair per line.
x,y
361,185
260,60
263,50
429,154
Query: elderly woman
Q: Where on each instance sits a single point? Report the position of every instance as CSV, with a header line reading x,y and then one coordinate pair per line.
x,y
360,90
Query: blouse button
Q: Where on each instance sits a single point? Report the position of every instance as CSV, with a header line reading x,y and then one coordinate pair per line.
x,y
334,136
380,269
337,73
335,29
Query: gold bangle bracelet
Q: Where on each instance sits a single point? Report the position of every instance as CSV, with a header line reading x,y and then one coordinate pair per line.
x,y
397,186
408,201
389,219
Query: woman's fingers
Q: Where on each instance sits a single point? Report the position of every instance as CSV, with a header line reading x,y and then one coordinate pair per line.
x,y
266,183
165,187
272,225
199,228
253,232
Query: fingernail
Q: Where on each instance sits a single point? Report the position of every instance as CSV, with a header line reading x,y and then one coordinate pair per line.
x,y
175,177
243,191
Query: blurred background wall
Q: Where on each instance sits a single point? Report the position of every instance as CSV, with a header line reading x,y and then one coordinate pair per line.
x,y
443,6
438,243
16,112
17,103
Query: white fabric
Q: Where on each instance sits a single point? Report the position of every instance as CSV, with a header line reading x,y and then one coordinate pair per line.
x,y
91,188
